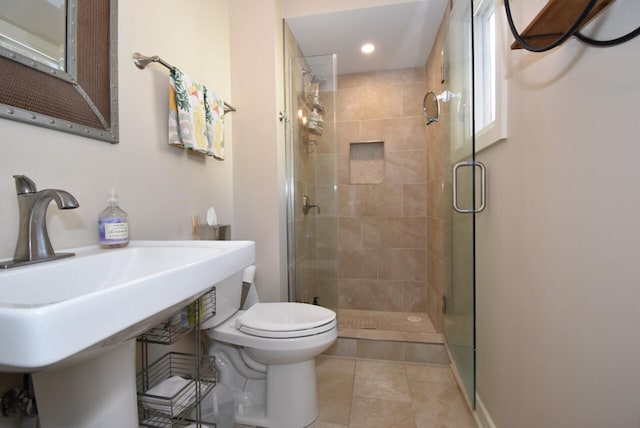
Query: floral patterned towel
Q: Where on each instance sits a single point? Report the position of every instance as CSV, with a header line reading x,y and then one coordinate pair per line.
x,y
196,116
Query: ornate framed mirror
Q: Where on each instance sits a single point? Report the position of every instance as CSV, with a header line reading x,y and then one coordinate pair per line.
x,y
81,95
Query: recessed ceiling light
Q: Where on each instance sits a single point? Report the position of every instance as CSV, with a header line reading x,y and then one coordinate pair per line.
x,y
367,48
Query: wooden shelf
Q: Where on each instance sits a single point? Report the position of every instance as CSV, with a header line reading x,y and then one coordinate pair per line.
x,y
555,19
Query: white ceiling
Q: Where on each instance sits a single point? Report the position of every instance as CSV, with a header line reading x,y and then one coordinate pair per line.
x,y
402,33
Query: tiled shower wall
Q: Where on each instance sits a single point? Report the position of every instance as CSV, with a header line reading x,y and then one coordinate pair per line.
x,y
438,224
382,228
385,261
325,269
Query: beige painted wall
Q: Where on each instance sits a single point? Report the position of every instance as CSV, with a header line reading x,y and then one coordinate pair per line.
x,y
160,187
558,287
259,172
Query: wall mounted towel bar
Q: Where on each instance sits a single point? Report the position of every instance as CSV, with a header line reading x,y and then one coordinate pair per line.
x,y
141,61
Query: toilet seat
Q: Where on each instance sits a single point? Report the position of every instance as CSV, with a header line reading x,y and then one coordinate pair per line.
x,y
285,320
287,334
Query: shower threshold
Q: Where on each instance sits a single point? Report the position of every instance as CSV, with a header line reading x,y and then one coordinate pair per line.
x,y
395,336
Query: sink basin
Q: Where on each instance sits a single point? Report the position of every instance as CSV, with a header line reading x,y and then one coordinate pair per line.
x,y
62,310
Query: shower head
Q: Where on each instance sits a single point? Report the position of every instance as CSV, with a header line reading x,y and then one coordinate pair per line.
x,y
319,80
314,77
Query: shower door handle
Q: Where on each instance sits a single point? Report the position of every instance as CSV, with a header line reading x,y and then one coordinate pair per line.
x,y
483,187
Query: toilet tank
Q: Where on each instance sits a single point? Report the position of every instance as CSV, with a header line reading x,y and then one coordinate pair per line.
x,y
228,295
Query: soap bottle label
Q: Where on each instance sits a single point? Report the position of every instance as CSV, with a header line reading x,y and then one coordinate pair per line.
x,y
116,231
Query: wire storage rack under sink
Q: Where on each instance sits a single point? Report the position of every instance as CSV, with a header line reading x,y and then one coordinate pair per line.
x,y
183,321
171,389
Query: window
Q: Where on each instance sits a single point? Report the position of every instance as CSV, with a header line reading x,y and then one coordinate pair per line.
x,y
490,87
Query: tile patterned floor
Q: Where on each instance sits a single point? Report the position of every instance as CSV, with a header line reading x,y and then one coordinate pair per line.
x,y
357,388
357,393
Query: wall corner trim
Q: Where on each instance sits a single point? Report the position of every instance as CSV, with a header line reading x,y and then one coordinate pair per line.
x,y
482,416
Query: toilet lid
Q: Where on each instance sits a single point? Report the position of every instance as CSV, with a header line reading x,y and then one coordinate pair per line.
x,y
284,319
288,334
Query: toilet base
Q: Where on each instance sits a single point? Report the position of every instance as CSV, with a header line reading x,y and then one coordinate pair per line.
x,y
292,400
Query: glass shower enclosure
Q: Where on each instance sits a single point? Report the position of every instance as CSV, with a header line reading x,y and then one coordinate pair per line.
x,y
311,180
462,201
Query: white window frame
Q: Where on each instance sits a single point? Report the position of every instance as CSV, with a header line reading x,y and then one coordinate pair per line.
x,y
490,84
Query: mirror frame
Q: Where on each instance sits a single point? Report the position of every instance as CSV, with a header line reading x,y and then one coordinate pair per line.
x,y
82,100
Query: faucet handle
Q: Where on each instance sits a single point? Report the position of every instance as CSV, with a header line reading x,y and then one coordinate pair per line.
x,y
24,185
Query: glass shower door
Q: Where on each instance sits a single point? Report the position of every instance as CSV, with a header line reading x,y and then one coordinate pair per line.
x,y
311,181
460,201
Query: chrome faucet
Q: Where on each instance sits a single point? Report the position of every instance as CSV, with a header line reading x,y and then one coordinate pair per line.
x,y
33,244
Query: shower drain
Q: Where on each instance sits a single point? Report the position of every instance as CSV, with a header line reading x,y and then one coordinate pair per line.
x,y
414,318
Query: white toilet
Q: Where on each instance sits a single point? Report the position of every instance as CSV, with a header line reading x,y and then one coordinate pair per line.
x,y
265,355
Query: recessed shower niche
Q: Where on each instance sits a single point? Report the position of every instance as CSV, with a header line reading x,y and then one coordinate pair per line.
x,y
366,162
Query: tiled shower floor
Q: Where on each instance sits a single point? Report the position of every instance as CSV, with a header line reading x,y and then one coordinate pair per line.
x,y
398,326
393,336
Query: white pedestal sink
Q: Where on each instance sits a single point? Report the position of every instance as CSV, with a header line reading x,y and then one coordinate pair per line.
x,y
99,392
74,321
